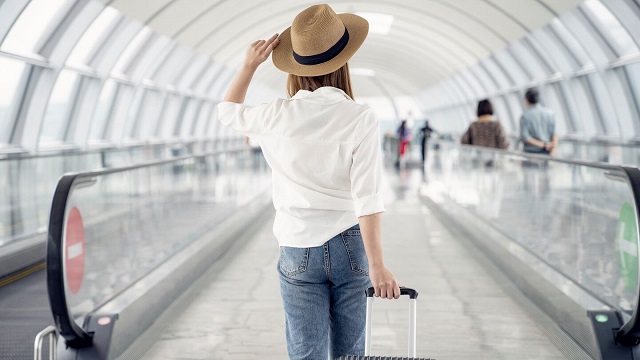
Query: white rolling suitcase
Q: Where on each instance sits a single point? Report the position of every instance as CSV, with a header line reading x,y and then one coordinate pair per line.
x,y
413,296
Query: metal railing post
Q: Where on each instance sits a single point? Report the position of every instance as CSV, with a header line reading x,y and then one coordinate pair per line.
x,y
53,342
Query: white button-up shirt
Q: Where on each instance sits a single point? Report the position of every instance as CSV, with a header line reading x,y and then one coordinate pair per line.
x,y
324,152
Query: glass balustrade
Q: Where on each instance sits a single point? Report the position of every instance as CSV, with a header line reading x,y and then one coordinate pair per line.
x,y
579,219
121,225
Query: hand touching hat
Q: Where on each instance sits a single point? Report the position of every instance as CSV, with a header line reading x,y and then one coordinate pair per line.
x,y
319,41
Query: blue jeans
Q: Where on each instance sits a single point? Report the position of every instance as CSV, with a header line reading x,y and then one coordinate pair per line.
x,y
324,300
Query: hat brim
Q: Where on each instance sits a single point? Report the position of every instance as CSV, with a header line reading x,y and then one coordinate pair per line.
x,y
282,55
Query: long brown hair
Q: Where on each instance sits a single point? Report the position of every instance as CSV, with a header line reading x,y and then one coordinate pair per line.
x,y
339,79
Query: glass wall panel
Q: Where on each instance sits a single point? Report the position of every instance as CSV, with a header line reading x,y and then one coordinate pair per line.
x,y
10,75
626,11
552,99
56,118
188,121
569,106
633,77
189,78
170,116
570,42
553,49
102,111
501,114
601,99
149,115
170,67
205,81
203,118
615,34
512,115
117,122
497,74
93,37
152,56
32,25
527,58
472,82
585,36
133,114
516,104
469,114
122,65
513,68
585,108
485,79
462,89
622,102
446,94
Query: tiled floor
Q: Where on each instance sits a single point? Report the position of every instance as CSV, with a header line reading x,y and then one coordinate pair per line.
x,y
462,312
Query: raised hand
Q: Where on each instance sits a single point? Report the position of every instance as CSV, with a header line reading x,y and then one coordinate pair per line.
x,y
259,51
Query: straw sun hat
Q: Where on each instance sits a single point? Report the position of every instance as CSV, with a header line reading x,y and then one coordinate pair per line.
x,y
319,41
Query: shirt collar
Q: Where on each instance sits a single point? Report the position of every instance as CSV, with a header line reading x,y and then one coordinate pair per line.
x,y
323,95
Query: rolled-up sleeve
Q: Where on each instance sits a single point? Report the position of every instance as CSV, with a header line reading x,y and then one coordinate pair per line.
x,y
243,118
366,169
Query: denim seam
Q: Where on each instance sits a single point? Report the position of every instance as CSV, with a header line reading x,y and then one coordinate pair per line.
x,y
354,265
327,261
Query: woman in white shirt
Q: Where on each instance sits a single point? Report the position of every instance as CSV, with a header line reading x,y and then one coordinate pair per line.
x,y
324,152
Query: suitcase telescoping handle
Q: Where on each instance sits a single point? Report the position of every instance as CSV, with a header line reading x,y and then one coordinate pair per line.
x,y
413,295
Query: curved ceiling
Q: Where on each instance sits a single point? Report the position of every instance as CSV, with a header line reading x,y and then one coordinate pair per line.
x,y
429,39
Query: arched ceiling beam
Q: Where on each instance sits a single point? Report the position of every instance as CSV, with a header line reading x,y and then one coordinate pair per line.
x,y
415,16
448,35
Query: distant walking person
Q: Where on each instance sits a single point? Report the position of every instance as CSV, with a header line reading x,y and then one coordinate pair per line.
x,y
485,131
425,133
404,139
537,126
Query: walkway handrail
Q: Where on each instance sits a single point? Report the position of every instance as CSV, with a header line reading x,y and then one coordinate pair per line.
x,y
629,332
75,336
532,156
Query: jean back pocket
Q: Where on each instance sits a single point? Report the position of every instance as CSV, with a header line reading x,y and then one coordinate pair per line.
x,y
292,260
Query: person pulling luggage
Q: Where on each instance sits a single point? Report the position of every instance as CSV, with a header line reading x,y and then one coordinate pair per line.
x,y
324,152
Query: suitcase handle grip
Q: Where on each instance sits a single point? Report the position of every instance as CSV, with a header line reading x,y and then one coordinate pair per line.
x,y
413,293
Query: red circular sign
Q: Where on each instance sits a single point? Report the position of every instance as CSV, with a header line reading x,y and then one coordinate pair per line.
x,y
74,251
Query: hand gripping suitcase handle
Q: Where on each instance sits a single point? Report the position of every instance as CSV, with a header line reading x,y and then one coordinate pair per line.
x,y
413,294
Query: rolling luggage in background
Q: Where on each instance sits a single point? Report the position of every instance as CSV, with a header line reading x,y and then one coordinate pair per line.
x,y
413,296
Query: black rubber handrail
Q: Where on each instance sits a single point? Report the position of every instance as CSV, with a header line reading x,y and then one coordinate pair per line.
x,y
629,333
74,335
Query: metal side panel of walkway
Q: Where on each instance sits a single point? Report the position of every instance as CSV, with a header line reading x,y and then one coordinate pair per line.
x,y
463,312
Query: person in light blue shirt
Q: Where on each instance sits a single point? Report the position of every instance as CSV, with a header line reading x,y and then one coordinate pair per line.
x,y
537,126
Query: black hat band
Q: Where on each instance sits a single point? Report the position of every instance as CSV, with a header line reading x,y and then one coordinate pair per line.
x,y
325,56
